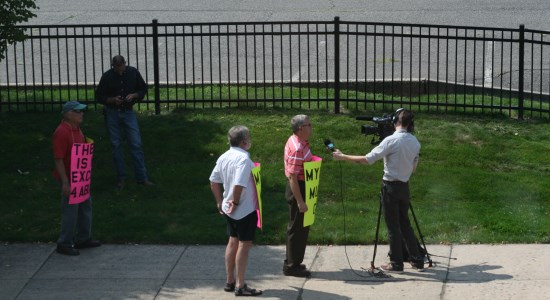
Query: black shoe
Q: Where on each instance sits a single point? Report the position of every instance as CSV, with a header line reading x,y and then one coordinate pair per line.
x,y
301,267
297,272
88,244
418,266
246,291
67,250
229,287
392,268
146,183
120,184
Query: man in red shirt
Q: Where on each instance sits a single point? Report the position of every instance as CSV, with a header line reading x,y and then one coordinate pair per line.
x,y
296,153
73,216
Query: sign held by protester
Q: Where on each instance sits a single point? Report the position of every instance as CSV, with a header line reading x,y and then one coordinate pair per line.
x,y
256,174
80,177
312,173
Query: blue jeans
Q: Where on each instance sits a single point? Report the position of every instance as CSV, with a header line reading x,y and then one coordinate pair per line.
x,y
75,216
120,124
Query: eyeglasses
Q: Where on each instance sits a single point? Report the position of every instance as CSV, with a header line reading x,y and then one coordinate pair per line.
x,y
306,125
77,111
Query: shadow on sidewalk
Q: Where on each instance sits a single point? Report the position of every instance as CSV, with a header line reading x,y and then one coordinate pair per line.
x,y
476,273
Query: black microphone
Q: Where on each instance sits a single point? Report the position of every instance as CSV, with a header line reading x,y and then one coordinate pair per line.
x,y
329,145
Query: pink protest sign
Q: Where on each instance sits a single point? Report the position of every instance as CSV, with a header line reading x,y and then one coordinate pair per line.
x,y
81,172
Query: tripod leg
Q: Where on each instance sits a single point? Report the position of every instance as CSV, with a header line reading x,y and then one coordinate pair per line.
x,y
377,230
421,236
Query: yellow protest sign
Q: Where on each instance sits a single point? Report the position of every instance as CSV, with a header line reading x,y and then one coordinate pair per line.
x,y
312,173
258,181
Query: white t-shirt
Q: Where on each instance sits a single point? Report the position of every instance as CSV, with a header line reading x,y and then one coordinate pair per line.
x,y
234,167
400,152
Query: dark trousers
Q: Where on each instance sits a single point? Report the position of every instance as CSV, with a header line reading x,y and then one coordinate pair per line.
x,y
395,203
296,233
75,217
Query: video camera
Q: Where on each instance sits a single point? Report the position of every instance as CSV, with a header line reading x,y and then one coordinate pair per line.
x,y
384,127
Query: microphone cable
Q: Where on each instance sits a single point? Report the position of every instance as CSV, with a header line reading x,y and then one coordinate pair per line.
x,y
371,272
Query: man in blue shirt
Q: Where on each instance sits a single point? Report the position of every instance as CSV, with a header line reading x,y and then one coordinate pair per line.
x,y
118,90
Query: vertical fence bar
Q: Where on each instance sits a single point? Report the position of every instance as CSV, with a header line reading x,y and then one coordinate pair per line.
x,y
541,67
300,62
16,75
447,37
41,69
228,66
521,79
326,67
32,70
85,64
438,70
156,65
427,88
237,75
210,66
175,66
77,87
219,65
264,80
349,56
167,68
366,66
50,66
185,68
202,66
521,71
309,69
383,65
336,65
356,92
531,84
290,74
246,64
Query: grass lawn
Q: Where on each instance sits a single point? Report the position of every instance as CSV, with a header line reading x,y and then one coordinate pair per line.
x,y
480,179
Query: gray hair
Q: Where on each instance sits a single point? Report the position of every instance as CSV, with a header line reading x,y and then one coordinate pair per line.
x,y
297,121
237,134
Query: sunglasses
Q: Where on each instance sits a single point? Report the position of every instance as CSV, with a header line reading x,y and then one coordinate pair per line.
x,y
78,111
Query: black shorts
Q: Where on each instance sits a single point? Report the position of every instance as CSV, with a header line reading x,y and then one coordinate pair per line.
x,y
243,229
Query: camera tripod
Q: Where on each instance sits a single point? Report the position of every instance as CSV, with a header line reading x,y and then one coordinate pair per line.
x,y
372,268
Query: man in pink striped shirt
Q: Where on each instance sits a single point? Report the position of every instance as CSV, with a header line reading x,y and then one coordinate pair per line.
x,y
296,153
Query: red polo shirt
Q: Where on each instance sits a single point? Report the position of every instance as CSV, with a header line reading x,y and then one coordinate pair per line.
x,y
296,153
63,139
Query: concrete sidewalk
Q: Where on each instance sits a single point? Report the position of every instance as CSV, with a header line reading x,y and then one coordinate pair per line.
x,y
36,271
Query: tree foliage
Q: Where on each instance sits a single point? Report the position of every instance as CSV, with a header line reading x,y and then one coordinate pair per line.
x,y
13,12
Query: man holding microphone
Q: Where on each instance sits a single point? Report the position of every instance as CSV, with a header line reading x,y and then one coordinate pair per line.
x,y
400,152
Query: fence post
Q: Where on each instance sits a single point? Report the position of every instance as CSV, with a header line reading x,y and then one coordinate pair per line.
x,y
336,65
156,65
521,71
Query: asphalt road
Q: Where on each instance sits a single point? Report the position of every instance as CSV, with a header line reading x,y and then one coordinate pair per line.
x,y
535,14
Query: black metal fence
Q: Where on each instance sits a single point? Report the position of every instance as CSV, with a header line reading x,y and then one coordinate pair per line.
x,y
335,65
